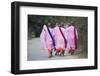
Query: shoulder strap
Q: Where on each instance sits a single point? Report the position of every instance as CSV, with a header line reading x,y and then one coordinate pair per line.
x,y
51,36
75,39
65,41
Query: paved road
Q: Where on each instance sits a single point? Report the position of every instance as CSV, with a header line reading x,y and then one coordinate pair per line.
x,y
36,52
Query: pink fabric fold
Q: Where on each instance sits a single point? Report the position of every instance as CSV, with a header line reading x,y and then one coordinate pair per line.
x,y
72,37
45,38
59,40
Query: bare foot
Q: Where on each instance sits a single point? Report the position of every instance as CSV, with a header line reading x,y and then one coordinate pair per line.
x,y
50,56
72,52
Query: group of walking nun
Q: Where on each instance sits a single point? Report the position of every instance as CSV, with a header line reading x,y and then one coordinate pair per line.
x,y
59,38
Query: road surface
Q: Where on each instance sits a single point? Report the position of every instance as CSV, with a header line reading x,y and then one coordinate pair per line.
x,y
36,52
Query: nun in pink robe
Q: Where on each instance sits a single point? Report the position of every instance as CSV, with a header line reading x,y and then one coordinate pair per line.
x,y
72,37
59,39
46,39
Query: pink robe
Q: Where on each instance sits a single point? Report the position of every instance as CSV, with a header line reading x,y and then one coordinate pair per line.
x,y
59,40
72,37
45,38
